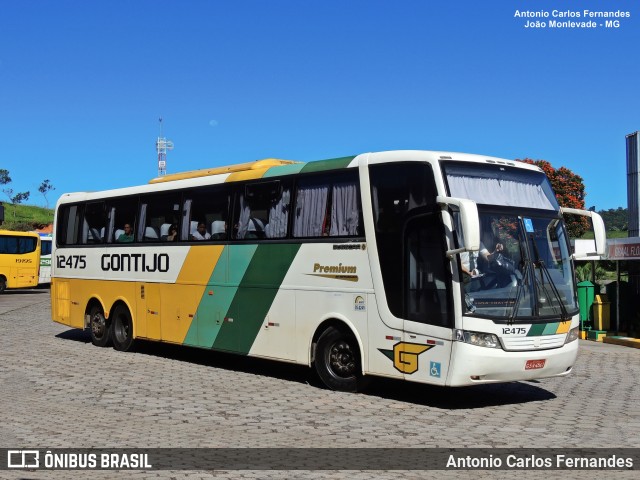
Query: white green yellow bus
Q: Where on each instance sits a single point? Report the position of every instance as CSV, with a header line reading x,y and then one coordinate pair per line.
x,y
45,259
19,259
353,266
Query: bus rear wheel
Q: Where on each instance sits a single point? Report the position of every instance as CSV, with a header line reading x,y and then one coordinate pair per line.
x,y
99,327
3,284
121,328
337,361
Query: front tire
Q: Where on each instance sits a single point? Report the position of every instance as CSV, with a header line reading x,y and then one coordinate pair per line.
x,y
337,361
99,327
121,328
3,284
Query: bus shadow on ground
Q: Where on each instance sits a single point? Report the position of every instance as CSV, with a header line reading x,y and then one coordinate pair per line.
x,y
450,398
27,291
454,398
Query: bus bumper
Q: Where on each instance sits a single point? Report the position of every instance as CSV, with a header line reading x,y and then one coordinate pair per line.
x,y
474,365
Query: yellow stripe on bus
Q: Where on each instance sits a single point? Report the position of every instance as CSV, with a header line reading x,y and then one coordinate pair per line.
x,y
180,302
200,262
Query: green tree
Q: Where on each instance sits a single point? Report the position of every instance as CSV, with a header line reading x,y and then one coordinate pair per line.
x,y
44,188
4,177
570,193
16,199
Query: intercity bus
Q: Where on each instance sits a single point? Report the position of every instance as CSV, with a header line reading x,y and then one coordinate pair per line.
x,y
355,266
45,259
19,259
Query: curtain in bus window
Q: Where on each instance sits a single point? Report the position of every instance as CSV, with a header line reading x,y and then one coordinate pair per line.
x,y
111,226
186,214
245,216
345,217
278,217
493,191
143,221
311,207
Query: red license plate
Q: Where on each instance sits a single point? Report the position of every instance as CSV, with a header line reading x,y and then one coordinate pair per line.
x,y
534,364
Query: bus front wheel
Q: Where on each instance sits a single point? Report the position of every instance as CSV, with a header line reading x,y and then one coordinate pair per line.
x,y
337,361
99,327
122,328
3,284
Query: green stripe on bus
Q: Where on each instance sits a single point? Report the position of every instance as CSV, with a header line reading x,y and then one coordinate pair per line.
x,y
216,300
284,170
550,328
255,296
536,330
322,165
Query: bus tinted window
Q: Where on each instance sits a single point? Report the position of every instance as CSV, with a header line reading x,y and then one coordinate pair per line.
x,y
158,215
45,247
208,206
93,227
68,223
262,210
17,245
122,213
328,206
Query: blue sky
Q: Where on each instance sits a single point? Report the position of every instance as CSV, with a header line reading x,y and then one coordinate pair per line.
x,y
83,83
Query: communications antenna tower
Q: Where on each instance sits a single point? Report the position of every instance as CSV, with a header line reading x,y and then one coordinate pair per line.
x,y
162,145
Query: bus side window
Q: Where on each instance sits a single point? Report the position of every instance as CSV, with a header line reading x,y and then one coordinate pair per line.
x,y
262,210
69,218
93,227
157,214
121,211
328,206
208,205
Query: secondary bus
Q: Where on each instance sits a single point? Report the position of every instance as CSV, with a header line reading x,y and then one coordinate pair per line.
x,y
354,266
45,259
19,259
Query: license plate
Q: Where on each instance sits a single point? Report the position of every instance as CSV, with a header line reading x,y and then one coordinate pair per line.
x,y
534,364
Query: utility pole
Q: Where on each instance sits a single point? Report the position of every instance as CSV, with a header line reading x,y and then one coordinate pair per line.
x,y
162,145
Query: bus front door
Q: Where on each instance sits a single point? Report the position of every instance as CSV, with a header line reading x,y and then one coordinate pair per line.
x,y
428,301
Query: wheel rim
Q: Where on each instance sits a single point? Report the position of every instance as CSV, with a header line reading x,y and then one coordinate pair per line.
x,y
341,359
121,329
98,326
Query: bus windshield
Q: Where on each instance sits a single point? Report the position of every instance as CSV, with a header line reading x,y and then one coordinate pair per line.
x,y
494,184
522,269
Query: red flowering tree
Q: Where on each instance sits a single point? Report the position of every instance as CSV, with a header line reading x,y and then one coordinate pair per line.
x,y
569,190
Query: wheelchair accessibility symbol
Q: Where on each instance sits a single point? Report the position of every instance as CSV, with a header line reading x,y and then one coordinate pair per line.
x,y
434,369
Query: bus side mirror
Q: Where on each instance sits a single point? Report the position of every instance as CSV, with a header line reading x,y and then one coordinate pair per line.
x,y
469,222
599,231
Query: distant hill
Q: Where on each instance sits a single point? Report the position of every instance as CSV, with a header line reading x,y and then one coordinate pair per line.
x,y
25,217
615,220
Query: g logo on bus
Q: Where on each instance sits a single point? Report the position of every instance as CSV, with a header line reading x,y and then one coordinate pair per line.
x,y
405,356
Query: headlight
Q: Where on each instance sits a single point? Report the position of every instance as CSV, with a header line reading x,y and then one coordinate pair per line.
x,y
572,335
479,339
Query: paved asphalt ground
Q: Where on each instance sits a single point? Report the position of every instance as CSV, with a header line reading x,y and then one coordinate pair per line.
x,y
59,391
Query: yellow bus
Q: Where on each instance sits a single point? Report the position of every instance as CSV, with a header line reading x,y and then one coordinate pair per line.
x,y
19,259
355,266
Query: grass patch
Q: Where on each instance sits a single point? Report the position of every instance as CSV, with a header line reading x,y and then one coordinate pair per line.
x,y
25,217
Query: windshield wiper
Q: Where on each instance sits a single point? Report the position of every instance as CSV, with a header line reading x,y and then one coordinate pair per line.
x,y
521,285
519,293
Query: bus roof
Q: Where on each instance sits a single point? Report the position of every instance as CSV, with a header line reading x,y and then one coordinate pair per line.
x,y
272,167
241,167
19,234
